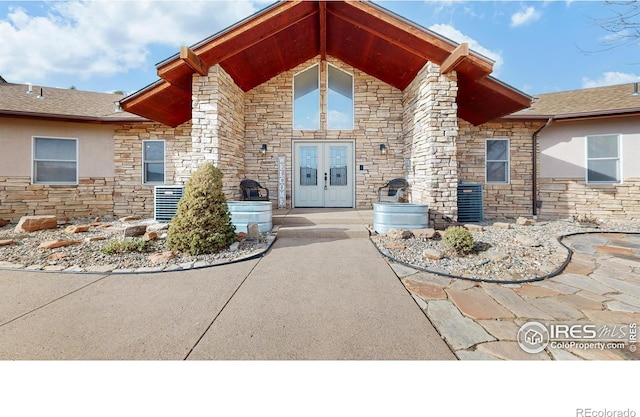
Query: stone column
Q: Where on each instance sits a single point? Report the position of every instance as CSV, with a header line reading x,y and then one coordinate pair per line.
x,y
217,134
430,132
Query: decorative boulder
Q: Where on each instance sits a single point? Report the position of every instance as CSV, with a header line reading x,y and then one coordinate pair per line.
x,y
35,223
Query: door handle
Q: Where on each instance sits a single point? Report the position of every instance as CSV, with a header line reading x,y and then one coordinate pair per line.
x,y
325,180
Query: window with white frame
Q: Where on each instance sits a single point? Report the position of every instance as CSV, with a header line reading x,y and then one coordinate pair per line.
x,y
306,99
55,161
497,161
603,159
153,161
339,99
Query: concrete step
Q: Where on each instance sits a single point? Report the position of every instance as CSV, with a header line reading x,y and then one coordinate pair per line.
x,y
323,231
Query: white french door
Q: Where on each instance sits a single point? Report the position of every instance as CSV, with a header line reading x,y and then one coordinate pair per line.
x,y
323,174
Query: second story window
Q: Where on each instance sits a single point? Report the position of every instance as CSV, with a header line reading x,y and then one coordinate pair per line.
x,y
339,99
306,99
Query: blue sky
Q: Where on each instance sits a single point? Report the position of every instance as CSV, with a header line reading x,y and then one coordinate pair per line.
x,y
538,46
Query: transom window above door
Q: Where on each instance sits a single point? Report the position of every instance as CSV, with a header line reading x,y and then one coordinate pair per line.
x,y
339,93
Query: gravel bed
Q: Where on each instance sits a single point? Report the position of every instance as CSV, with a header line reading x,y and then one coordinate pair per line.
x,y
86,256
514,254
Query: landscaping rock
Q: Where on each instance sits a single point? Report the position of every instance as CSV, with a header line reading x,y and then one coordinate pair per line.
x,y
431,254
526,241
499,225
129,218
234,246
132,231
148,236
94,239
156,227
35,223
163,257
398,234
523,221
4,222
7,242
58,243
57,256
253,232
241,236
424,233
394,245
474,227
77,229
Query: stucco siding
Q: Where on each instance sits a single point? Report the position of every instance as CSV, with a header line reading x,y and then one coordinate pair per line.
x,y
94,142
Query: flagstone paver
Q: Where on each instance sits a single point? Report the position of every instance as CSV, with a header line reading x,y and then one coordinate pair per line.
x,y
474,355
612,317
598,354
620,306
480,321
628,299
476,304
425,290
625,287
403,271
582,282
563,355
557,309
534,291
510,350
512,301
501,329
579,302
596,297
459,331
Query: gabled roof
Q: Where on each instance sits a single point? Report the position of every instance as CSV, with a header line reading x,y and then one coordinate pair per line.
x,y
358,33
59,103
587,103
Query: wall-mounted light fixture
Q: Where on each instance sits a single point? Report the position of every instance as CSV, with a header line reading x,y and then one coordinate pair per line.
x,y
263,149
383,149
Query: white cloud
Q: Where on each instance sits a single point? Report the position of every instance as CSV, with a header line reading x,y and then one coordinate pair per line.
x,y
104,38
526,16
610,78
455,35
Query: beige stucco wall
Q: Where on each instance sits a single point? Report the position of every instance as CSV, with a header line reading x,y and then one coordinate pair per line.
x,y
94,142
562,186
562,146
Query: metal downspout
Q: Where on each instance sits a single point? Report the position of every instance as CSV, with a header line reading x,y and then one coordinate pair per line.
x,y
534,187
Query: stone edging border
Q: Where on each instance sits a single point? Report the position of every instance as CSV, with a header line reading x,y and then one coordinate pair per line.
x,y
155,270
495,281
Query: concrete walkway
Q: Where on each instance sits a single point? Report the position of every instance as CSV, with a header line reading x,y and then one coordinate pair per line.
x,y
317,297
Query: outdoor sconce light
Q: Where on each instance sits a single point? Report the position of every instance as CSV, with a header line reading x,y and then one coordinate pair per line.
x,y
263,149
383,149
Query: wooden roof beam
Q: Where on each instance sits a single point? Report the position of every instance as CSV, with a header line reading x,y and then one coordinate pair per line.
x,y
323,30
191,59
455,58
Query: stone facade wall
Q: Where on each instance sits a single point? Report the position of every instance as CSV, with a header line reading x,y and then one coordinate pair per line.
x,y
567,197
378,119
91,197
218,133
500,200
430,134
130,195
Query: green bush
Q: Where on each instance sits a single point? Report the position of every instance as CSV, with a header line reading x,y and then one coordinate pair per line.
x,y
124,246
202,223
459,240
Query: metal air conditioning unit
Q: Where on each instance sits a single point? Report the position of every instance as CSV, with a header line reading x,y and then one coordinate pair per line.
x,y
165,201
470,207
